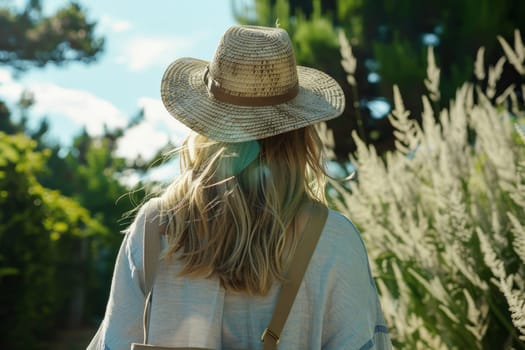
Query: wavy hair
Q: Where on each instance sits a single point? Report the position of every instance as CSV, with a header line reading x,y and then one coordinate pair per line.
x,y
232,210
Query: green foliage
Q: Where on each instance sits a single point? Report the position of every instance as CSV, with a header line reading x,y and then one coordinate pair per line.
x,y
460,26
59,222
31,39
86,176
316,43
91,172
40,235
403,64
443,217
6,124
387,39
78,217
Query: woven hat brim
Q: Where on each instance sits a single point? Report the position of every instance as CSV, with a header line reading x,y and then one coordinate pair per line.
x,y
186,98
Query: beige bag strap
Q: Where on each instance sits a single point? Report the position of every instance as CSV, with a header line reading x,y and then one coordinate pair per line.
x,y
151,246
317,215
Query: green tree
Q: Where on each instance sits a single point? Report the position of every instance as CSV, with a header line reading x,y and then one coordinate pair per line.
x,y
55,250
89,173
44,246
29,38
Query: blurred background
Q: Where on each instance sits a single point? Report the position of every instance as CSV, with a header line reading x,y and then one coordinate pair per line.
x,y
83,130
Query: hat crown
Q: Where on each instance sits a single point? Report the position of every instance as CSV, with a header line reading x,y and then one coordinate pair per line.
x,y
254,61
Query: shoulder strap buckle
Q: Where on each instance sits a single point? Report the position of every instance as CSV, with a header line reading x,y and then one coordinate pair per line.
x,y
271,334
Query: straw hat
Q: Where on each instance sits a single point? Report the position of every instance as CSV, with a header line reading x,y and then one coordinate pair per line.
x,y
252,88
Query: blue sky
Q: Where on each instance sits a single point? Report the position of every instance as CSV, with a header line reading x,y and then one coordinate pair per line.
x,y
142,38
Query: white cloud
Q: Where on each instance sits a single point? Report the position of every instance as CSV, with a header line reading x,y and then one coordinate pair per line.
x,y
9,88
108,23
142,139
153,133
5,76
85,109
144,52
81,107
129,178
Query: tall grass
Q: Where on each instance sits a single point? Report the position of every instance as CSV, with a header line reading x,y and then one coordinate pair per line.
x,y
443,215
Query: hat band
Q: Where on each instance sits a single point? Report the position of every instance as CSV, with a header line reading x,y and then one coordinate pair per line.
x,y
223,95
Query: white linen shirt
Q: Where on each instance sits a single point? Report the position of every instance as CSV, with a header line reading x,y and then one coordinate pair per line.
x,y
336,307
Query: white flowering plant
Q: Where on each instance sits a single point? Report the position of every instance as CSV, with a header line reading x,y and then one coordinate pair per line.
x,y
443,215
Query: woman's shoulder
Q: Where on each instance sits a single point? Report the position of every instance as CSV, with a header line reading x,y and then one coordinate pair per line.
x,y
339,229
341,241
135,231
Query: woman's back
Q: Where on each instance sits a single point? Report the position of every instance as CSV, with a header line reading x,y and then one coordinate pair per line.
x,y
337,290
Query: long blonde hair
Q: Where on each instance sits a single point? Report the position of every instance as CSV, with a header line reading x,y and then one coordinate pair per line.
x,y
231,211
